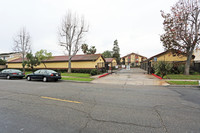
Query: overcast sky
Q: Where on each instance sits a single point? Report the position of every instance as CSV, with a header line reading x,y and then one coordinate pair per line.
x,y
136,24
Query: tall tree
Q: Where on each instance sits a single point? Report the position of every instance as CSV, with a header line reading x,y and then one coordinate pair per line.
x,y
71,35
22,44
182,28
31,61
2,62
92,50
43,55
116,51
107,54
84,48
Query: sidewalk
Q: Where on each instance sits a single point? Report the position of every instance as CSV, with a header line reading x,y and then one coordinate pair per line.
x,y
135,76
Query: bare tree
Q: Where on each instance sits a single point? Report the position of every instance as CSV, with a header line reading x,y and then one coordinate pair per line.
x,y
22,44
71,34
182,28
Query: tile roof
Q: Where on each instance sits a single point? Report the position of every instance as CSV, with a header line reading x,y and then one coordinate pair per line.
x,y
135,54
170,50
89,57
9,53
109,59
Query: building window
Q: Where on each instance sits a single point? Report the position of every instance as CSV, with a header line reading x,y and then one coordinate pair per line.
x,y
155,59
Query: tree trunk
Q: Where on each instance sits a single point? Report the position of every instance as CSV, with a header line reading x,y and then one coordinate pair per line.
x,y
44,65
23,66
32,69
69,65
188,62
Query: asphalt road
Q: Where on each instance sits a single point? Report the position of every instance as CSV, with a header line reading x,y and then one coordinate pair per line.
x,y
67,107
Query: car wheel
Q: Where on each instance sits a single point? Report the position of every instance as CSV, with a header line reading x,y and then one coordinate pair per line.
x,y
44,79
8,77
55,80
29,78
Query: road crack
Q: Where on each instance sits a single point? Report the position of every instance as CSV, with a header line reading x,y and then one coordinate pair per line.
x,y
89,116
160,118
123,123
117,122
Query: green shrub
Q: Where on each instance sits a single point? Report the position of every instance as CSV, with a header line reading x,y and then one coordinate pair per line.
x,y
195,73
162,68
181,69
81,70
132,64
2,62
95,72
73,70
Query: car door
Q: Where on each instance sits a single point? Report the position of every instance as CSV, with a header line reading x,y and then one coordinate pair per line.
x,y
36,75
5,73
41,74
1,74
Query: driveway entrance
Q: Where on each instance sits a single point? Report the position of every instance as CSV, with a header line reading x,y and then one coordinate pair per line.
x,y
134,76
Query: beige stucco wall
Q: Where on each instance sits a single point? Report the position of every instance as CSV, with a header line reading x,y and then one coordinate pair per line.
x,y
132,58
169,56
197,55
114,62
80,64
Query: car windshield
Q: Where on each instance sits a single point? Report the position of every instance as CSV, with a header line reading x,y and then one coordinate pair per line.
x,y
50,71
5,71
11,71
16,71
38,71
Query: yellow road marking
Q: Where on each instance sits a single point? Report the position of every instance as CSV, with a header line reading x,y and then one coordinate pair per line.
x,y
51,98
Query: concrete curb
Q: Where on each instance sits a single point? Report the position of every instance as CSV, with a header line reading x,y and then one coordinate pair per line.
x,y
75,81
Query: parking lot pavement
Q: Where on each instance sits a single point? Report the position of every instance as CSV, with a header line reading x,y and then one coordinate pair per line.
x,y
134,76
61,107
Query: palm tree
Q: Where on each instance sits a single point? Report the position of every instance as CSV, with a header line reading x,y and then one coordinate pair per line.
x,y
92,50
84,48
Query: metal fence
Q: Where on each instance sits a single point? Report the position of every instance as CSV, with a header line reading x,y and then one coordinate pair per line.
x,y
135,64
109,67
148,66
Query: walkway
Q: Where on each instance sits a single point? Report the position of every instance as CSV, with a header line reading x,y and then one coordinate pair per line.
x,y
135,76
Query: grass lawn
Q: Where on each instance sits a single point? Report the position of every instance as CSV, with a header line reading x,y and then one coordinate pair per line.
x,y
181,76
77,79
28,72
183,82
84,75
76,76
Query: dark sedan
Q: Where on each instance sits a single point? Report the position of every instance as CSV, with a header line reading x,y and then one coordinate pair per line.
x,y
44,74
12,73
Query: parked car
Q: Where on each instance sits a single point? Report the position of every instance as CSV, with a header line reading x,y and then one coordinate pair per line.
x,y
44,74
12,73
